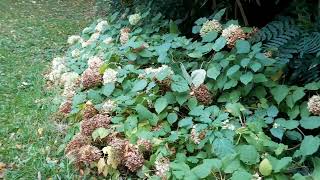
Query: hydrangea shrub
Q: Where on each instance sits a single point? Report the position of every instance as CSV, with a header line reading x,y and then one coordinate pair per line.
x,y
154,104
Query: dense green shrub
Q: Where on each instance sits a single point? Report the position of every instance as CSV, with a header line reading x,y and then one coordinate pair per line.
x,y
154,104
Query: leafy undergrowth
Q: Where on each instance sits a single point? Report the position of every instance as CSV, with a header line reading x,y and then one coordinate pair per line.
x,y
154,104
31,33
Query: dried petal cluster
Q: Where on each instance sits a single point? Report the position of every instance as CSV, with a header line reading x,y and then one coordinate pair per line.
x,y
76,143
134,19
97,121
133,159
146,145
232,34
95,62
162,166
101,26
74,39
210,25
109,76
89,110
88,154
91,78
124,35
108,106
202,94
57,69
314,105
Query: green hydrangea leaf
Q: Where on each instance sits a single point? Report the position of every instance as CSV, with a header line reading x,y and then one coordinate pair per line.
x,y
179,84
279,93
139,85
311,122
219,44
246,78
248,154
242,46
160,104
309,145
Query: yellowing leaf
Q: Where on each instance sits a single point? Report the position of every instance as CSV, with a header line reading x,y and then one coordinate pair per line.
x,y
101,164
40,131
265,167
277,75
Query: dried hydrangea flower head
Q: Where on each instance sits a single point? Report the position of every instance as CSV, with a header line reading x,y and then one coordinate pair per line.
x,y
89,110
97,121
91,78
101,26
202,94
109,76
69,79
57,69
65,107
76,143
88,154
145,145
162,166
314,105
133,159
232,34
124,35
134,19
108,106
194,135
74,39
210,25
95,62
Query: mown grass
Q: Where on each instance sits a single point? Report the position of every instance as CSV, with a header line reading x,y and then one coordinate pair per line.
x,y
31,34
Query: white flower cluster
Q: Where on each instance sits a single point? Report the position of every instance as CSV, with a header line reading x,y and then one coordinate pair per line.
x,y
227,125
58,67
108,106
134,19
152,72
194,135
230,30
74,39
233,33
69,81
94,62
162,166
75,53
210,25
109,76
101,26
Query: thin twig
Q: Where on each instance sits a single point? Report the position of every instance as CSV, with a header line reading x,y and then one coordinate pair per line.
x,y
244,17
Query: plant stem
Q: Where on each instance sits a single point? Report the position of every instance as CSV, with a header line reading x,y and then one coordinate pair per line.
x,y
244,17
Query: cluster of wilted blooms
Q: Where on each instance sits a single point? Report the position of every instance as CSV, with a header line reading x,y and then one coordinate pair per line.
x,y
114,151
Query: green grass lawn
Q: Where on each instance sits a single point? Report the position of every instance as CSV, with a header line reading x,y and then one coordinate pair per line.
x,y
31,34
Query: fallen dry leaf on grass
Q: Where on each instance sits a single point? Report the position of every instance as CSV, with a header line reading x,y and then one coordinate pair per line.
x,y
2,169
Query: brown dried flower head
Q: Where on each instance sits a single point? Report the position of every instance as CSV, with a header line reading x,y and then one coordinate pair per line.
x,y
133,159
97,121
65,107
202,94
76,143
88,154
145,145
91,78
89,110
314,105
